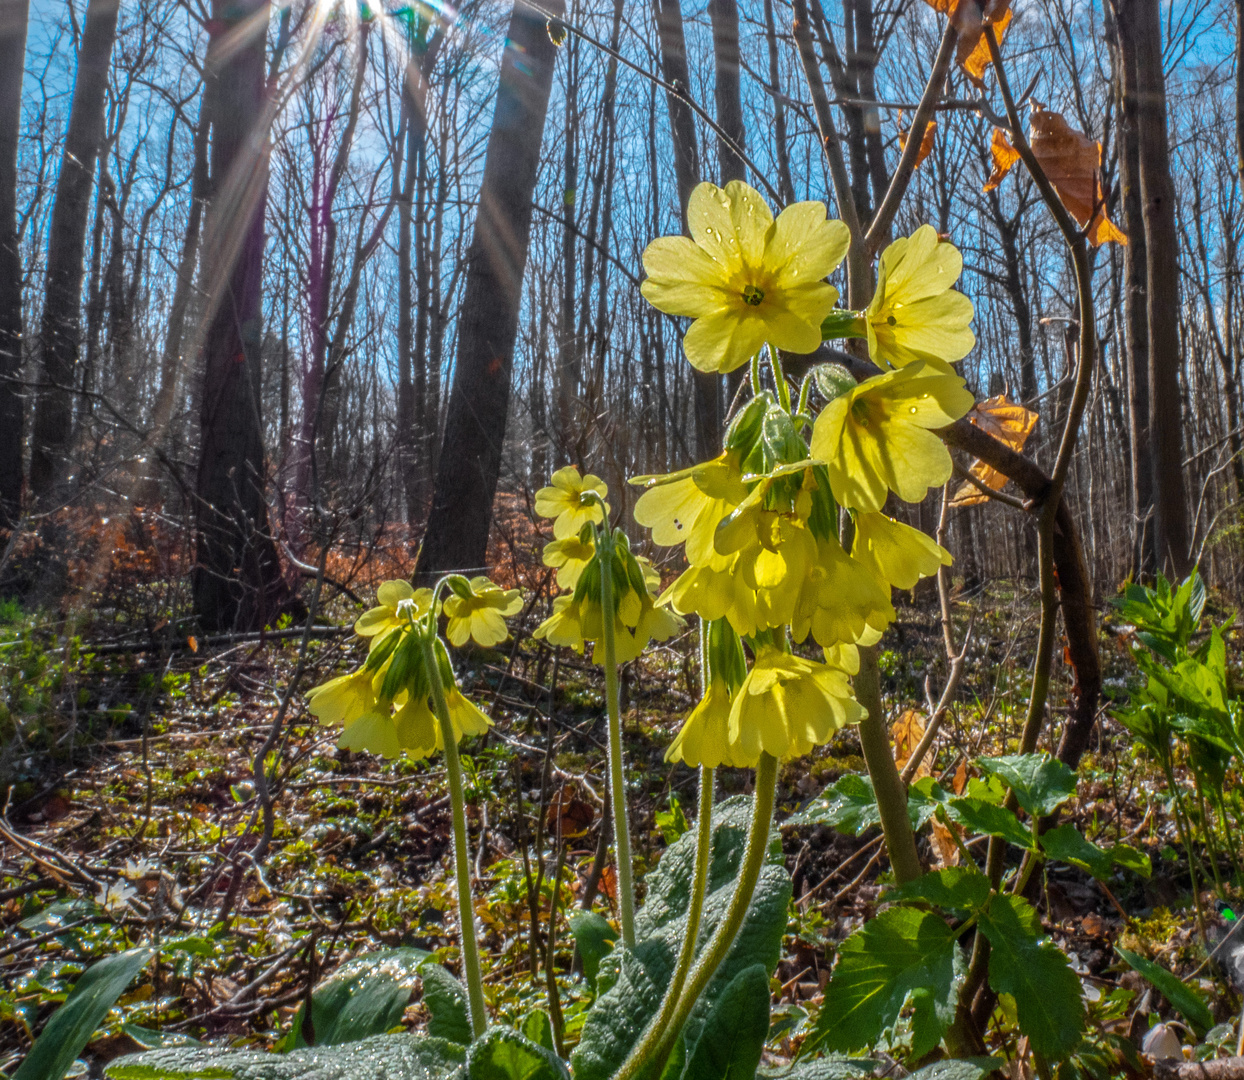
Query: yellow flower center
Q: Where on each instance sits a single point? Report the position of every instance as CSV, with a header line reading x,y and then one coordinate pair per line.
x,y
753,295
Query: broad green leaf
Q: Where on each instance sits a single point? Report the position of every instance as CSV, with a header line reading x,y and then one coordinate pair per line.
x,y
366,996
923,799
958,1069
1066,844
829,1067
733,1036
73,1024
847,805
1048,999
539,1029
630,984
958,889
594,937
383,1057
1186,1001
901,952
1131,859
446,1000
1041,783
501,1054
978,816
158,1040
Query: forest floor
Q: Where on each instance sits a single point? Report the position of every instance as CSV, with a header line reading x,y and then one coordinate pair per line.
x,y
130,751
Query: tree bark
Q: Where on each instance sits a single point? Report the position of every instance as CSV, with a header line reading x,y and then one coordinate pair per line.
x,y
14,15
236,580
1157,192
470,461
53,423
706,385
786,186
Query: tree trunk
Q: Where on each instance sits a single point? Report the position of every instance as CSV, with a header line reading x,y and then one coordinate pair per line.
x,y
13,18
1157,191
237,575
786,186
470,461
707,385
60,332
569,375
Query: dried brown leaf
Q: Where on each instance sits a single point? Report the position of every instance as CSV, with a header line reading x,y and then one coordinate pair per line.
x,y
1007,422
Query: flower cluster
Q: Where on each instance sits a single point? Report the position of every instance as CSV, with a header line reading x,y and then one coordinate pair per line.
x,y
582,553
762,523
384,707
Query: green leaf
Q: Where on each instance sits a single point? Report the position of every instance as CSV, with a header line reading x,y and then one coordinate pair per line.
x,y
1131,859
840,323
1186,1001
158,1040
978,816
73,1024
1041,783
958,889
594,937
446,1000
1048,999
829,1067
631,984
733,1036
901,952
501,1054
1067,845
366,996
539,1029
672,822
383,1057
923,799
974,1068
847,805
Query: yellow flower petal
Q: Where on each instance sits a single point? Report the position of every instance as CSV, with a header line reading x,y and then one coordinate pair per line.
x,y
895,552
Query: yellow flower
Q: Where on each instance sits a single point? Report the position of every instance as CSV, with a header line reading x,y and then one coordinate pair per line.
x,y
704,738
569,556
702,591
914,314
787,705
840,599
744,278
896,553
344,699
687,507
564,500
464,717
876,438
395,599
482,615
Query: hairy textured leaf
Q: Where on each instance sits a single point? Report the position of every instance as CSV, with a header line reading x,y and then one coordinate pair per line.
x,y
958,1069
978,816
630,984
899,953
829,1067
73,1024
958,889
1048,1000
1041,783
733,1036
594,937
1186,1001
446,999
502,1054
383,1057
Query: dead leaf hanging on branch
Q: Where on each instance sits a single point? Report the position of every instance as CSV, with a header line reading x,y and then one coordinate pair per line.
x,y
1008,423
1072,161
926,140
970,17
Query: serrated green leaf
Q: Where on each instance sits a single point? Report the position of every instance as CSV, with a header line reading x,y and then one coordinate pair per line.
x,y
1186,1001
958,889
631,984
1041,783
594,937
1048,999
978,816
73,1024
539,1029
446,1000
733,1037
901,952
829,1067
1066,844
501,1054
848,805
958,1069
383,1057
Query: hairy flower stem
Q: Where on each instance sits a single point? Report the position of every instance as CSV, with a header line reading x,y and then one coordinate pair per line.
x,y
617,779
723,937
462,861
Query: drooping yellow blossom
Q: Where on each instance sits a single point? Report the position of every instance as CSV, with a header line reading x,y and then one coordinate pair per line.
x,y
774,552
569,556
577,619
481,615
687,507
702,591
344,699
915,314
397,602
894,552
744,278
840,599
566,501
464,716
787,705
704,738
876,437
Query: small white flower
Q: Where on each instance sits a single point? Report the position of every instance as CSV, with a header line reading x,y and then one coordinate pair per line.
x,y
138,869
115,897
